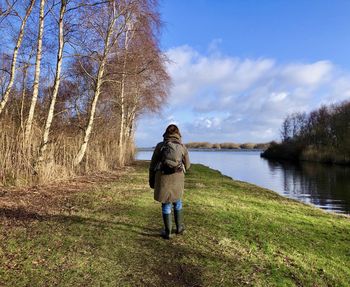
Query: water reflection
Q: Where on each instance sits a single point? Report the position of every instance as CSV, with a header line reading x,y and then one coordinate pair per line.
x,y
326,186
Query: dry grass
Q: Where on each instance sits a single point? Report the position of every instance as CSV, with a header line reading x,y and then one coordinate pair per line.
x,y
45,199
199,145
227,145
18,162
247,145
230,145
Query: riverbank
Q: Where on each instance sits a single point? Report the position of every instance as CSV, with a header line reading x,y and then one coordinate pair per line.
x,y
105,232
296,152
227,146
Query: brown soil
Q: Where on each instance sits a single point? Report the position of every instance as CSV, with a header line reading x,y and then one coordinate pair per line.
x,y
19,205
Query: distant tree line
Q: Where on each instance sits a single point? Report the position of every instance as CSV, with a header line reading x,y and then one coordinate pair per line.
x,y
74,77
227,145
321,135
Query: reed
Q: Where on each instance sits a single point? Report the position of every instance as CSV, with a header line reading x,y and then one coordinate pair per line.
x,y
18,162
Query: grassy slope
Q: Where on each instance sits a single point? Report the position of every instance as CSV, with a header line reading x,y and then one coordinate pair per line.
x,y
237,235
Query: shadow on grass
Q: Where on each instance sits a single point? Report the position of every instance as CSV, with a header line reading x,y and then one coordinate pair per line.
x,y
168,272
20,215
168,266
177,262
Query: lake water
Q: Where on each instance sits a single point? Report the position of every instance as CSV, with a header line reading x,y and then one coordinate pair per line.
x,y
326,186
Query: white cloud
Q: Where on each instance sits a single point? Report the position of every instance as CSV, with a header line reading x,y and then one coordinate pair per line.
x,y
217,97
308,74
278,97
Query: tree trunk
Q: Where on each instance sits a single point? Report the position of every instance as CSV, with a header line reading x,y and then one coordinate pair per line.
x,y
56,83
24,80
122,120
78,158
14,57
37,74
122,136
80,155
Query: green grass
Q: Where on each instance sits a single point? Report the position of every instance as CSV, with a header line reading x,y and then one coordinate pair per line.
x,y
237,235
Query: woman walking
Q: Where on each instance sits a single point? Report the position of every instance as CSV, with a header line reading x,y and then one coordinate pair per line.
x,y
169,163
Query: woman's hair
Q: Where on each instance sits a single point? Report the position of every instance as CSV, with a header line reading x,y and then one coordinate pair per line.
x,y
172,129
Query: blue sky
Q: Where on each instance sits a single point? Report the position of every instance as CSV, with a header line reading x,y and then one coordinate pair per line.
x,y
239,67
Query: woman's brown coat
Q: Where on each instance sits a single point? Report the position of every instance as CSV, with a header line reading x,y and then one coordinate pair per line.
x,y
168,187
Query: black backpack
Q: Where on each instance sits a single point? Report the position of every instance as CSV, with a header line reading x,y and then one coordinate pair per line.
x,y
171,157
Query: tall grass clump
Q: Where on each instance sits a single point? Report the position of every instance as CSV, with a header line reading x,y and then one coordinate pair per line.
x,y
18,162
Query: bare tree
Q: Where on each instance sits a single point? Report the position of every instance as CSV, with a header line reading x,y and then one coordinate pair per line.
x,y
143,82
286,129
18,44
113,72
8,9
56,81
121,143
111,34
37,73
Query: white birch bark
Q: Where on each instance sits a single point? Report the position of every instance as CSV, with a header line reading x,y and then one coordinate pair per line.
x,y
37,74
131,115
122,119
8,89
131,128
80,155
57,80
122,136
99,80
24,80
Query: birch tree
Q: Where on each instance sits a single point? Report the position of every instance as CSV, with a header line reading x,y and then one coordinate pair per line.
x,y
144,73
57,80
5,11
18,44
110,37
129,33
37,73
113,72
